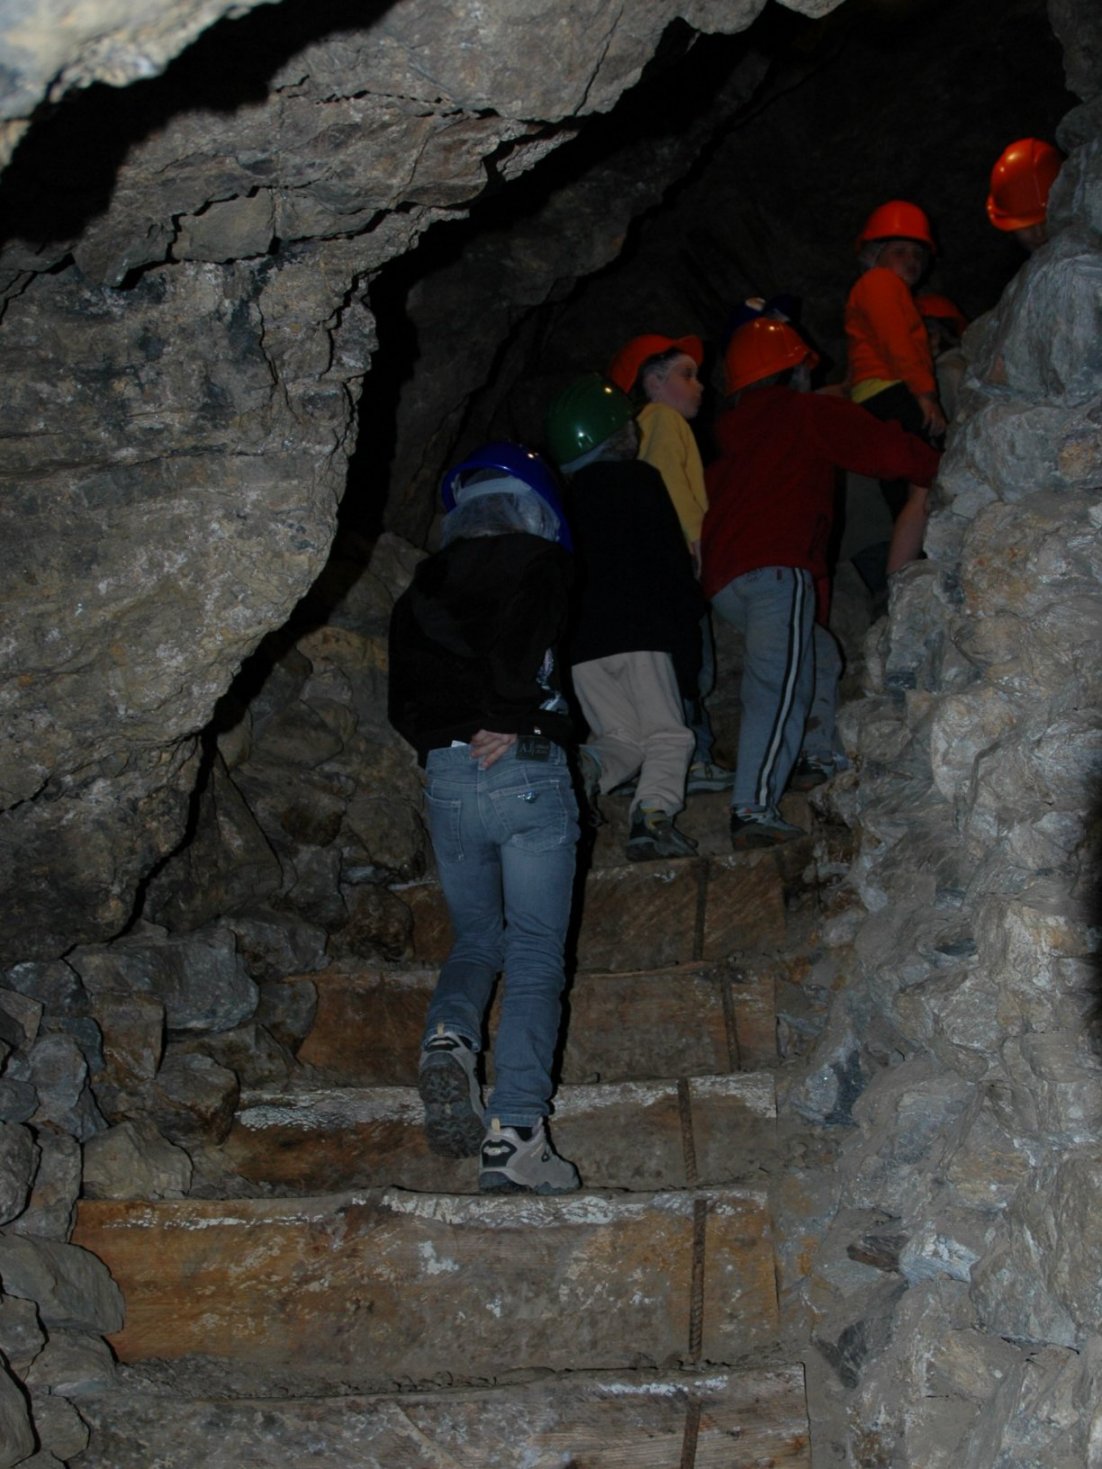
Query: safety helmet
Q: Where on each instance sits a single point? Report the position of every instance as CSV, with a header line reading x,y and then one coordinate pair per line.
x,y
505,467
761,348
942,309
897,220
626,364
1020,183
584,415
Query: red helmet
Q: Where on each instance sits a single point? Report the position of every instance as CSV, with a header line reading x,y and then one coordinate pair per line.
x,y
942,309
1020,183
761,348
897,220
627,362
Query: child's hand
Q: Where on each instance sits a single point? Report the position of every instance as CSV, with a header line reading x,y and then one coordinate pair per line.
x,y
487,747
933,420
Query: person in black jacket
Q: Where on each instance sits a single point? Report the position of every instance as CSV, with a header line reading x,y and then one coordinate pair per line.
x,y
474,688
634,644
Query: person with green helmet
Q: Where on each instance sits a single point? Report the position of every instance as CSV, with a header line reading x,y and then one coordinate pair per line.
x,y
634,640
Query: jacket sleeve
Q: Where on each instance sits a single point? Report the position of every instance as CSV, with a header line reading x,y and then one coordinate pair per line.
x,y
530,624
895,333
851,437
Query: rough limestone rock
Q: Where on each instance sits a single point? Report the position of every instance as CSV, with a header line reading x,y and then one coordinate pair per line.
x,y
133,1161
18,1161
70,1287
198,977
976,1144
16,1433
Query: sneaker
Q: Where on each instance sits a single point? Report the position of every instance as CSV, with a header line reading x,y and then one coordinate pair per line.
x,y
704,776
514,1164
808,772
750,829
447,1080
653,835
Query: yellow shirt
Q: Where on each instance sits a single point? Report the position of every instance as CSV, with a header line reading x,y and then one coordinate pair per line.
x,y
667,442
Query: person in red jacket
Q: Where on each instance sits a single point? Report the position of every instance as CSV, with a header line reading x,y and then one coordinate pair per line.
x,y
891,368
764,544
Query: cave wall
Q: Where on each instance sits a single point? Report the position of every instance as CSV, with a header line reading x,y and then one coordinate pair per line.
x,y
185,340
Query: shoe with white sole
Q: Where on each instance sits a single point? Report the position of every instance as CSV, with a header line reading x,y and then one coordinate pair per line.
x,y
447,1080
514,1164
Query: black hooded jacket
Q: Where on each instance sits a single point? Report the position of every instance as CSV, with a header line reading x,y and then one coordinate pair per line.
x,y
470,637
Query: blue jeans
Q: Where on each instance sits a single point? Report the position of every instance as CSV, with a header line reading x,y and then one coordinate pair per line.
x,y
504,840
774,606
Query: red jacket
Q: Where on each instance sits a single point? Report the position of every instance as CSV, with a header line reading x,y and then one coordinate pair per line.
x,y
771,491
886,335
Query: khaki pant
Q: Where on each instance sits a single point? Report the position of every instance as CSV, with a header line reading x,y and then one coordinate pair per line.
x,y
633,708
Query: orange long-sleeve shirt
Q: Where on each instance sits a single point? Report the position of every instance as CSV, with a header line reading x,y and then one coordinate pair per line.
x,y
886,335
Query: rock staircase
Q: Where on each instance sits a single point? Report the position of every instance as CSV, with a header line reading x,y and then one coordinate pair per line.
x,y
334,1295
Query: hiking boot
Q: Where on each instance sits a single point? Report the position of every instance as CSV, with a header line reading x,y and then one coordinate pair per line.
x,y
447,1080
750,829
704,776
514,1164
807,773
653,835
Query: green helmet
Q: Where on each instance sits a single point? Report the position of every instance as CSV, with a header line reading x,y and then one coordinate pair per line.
x,y
583,416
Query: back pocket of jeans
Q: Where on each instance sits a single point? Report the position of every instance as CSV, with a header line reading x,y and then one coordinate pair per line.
x,y
444,818
538,817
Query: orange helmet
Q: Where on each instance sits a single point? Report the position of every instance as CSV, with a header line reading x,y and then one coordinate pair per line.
x,y
627,362
762,347
1020,182
942,309
897,220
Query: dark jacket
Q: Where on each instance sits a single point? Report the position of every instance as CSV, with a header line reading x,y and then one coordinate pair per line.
x,y
636,591
470,637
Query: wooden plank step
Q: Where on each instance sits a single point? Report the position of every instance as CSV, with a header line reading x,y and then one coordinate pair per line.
x,y
630,1135
368,1289
693,1020
712,1420
639,915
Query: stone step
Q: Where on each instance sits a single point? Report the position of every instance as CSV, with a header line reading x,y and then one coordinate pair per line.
x,y
370,1289
698,1019
711,1420
648,914
631,1135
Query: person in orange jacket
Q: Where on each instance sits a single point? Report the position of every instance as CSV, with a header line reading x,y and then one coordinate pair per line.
x,y
1017,198
891,368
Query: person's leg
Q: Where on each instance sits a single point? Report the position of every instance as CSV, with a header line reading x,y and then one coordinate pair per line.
x,y
534,815
821,754
667,743
819,741
774,607
535,819
704,773
604,696
470,878
909,530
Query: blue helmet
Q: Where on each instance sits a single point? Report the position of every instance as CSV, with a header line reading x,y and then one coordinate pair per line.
x,y
511,462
